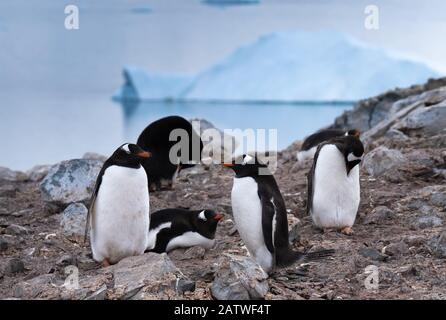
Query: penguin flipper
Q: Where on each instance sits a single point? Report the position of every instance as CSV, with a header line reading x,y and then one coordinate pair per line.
x,y
90,212
268,212
310,179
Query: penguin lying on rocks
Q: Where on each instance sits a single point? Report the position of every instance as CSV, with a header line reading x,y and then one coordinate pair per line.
x,y
180,228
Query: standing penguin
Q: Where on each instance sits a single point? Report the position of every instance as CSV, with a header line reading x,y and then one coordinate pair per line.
x,y
180,228
260,216
155,138
119,209
310,143
333,184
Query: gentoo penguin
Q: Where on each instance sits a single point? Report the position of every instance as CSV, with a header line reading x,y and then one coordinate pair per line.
x,y
333,183
175,228
260,215
310,143
155,138
119,209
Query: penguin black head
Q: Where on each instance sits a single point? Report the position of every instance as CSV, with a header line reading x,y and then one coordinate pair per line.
x,y
352,149
247,166
129,155
354,132
206,221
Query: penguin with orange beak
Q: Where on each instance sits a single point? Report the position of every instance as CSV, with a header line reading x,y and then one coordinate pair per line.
x,y
260,216
119,207
180,228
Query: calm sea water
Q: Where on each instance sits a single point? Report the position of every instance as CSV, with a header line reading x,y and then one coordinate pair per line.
x,y
46,129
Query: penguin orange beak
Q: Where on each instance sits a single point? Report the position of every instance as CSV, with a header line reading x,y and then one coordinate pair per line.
x,y
219,216
144,154
228,165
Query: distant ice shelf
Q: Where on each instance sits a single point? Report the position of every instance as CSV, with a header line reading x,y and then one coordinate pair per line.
x,y
285,67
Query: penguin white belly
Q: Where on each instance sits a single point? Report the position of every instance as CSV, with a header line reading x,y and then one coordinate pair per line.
x,y
190,239
121,214
247,212
335,195
306,154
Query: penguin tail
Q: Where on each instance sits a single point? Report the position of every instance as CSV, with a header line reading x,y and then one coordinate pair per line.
x,y
286,257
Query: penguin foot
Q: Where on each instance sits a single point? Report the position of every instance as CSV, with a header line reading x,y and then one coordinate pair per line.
x,y
347,231
105,263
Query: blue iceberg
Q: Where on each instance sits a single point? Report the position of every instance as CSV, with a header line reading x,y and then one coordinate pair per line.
x,y
287,67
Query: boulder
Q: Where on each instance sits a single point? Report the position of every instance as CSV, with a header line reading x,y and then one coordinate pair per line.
x,y
133,273
32,288
380,160
427,121
70,181
379,215
428,222
239,278
74,219
437,244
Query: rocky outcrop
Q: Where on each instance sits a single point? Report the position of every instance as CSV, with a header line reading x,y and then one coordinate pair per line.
x,y
369,112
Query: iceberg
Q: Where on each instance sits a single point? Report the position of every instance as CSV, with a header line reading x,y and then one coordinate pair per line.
x,y
141,85
288,67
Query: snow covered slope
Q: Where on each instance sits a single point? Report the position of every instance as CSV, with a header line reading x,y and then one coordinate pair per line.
x,y
293,66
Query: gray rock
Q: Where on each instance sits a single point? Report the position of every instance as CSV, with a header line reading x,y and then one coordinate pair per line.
x,y
183,285
13,266
132,273
32,288
11,175
437,245
428,222
37,173
239,278
396,135
379,215
396,249
382,159
70,181
4,245
16,230
99,294
439,199
74,219
428,120
373,254
94,156
67,260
